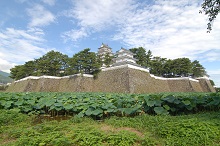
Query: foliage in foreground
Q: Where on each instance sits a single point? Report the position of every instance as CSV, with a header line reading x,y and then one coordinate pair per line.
x,y
198,130
102,105
211,8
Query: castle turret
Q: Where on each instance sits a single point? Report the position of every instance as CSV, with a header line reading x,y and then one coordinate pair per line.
x,y
124,56
105,49
105,52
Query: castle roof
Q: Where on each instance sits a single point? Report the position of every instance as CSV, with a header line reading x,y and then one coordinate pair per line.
x,y
104,46
125,56
123,50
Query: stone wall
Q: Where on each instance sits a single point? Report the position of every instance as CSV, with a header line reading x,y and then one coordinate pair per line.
x,y
196,86
206,85
121,79
76,84
112,81
142,82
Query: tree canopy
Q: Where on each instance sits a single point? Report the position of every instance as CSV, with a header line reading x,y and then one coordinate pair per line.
x,y
53,63
180,67
57,64
142,57
84,62
211,8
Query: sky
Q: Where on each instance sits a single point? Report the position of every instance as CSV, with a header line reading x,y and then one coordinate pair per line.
x,y
169,28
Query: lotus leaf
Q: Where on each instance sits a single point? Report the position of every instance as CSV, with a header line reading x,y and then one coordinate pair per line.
x,y
48,103
177,101
27,109
97,112
160,111
186,102
188,107
166,107
19,102
58,108
158,102
146,108
169,98
151,103
89,112
2,102
172,109
110,110
81,114
68,106
31,102
8,104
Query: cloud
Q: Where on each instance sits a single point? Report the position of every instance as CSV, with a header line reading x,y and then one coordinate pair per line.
x,y
173,26
40,16
92,17
170,26
74,35
100,14
5,65
210,55
49,2
18,46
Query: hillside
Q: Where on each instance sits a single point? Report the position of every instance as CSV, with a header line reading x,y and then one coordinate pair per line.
x,y
4,77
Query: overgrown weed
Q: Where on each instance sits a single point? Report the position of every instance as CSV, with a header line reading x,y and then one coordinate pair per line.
x,y
198,129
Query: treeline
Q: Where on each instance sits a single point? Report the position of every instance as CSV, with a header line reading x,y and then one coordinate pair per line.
x,y
57,64
180,67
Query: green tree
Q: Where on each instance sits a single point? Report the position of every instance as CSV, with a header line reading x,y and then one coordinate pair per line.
x,y
84,62
197,69
149,57
181,67
211,8
17,72
167,69
143,59
22,71
53,63
157,66
30,68
212,82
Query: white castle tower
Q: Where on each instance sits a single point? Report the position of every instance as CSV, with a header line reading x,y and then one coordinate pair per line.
x,y
103,51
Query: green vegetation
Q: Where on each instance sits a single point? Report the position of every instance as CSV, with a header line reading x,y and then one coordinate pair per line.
x,y
109,119
166,67
57,64
84,62
201,129
103,105
211,8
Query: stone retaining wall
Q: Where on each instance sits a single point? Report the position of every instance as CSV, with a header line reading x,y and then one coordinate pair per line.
x,y
123,79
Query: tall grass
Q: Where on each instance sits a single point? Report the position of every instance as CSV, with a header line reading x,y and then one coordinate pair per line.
x,y
196,129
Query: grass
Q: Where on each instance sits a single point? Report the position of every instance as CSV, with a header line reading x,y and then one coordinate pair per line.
x,y
201,129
